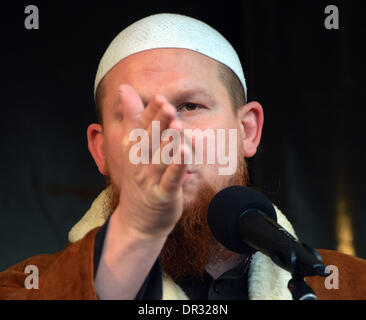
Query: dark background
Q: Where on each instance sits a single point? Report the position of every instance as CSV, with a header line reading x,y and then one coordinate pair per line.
x,y
310,81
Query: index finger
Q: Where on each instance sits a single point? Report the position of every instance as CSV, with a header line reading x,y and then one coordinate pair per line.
x,y
132,105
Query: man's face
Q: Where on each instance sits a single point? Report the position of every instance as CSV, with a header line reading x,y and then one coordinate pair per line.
x,y
190,82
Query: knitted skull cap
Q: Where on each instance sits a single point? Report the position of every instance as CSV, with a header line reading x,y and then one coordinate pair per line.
x,y
167,30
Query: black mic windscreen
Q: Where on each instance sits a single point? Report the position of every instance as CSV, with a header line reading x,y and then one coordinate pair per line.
x,y
224,212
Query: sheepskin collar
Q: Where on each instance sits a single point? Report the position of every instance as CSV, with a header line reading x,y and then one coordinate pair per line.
x,y
266,281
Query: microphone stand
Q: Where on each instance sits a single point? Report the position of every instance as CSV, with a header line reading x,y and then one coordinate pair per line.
x,y
299,289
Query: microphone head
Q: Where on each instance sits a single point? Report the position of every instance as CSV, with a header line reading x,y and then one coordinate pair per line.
x,y
224,212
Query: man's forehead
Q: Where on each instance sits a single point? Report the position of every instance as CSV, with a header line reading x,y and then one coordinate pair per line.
x,y
156,70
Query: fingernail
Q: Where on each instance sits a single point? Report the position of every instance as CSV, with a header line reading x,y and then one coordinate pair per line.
x,y
121,89
177,125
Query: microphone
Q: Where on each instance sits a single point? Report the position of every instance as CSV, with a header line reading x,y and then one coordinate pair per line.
x,y
245,221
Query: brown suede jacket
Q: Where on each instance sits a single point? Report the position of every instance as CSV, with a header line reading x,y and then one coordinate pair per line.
x,y
69,275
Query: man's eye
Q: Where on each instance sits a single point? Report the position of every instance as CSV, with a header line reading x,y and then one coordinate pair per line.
x,y
189,107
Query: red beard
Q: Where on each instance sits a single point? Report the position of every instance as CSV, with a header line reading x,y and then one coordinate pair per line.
x,y
191,245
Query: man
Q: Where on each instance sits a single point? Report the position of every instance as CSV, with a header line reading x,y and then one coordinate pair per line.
x,y
146,235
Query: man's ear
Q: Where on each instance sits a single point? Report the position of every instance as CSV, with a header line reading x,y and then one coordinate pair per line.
x,y
251,120
96,146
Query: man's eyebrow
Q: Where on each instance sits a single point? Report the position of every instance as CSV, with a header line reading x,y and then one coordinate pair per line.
x,y
179,97
185,95
191,93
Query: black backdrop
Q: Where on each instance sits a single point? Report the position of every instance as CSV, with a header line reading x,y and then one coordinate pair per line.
x,y
310,81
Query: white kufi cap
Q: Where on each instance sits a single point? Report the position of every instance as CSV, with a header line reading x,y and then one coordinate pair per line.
x,y
166,30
